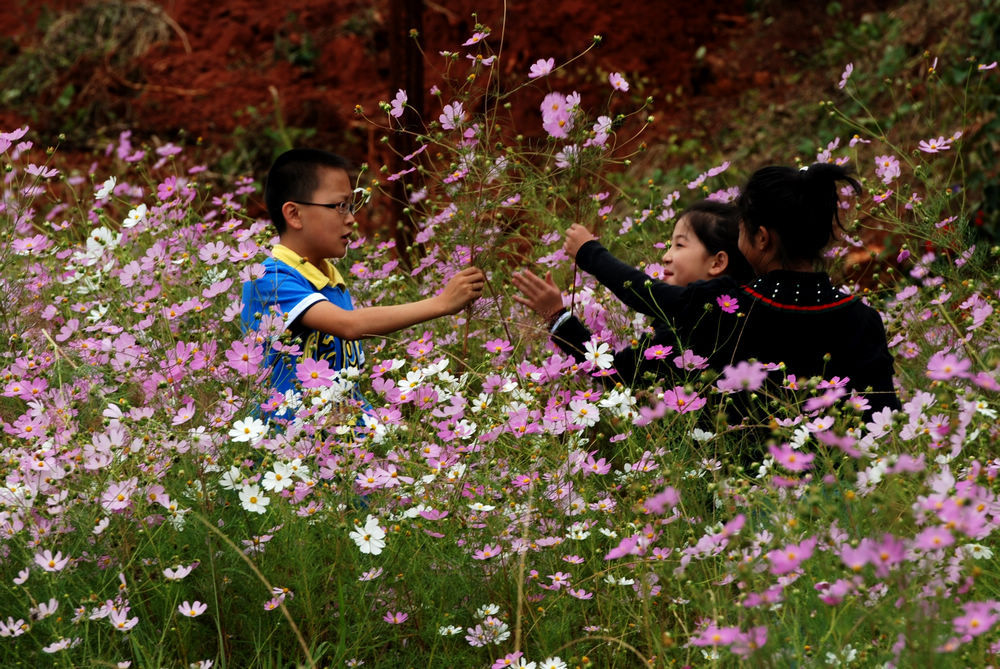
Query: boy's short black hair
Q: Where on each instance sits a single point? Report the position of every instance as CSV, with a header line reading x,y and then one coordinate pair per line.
x,y
295,176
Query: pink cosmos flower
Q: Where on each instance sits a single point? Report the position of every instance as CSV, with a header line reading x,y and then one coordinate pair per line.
x,y
396,618
559,579
627,546
118,495
192,610
791,459
487,552
480,60
184,414
508,660
657,352
750,641
245,251
784,560
682,401
668,498
567,157
834,593
29,427
618,81
978,618
743,376
887,554
451,116
945,366
557,115
314,373
244,359
498,346
887,168
475,39
934,145
120,621
933,538
49,562
846,75
855,558
690,361
31,245
541,68
592,466
727,304
398,104
716,636
62,644
392,177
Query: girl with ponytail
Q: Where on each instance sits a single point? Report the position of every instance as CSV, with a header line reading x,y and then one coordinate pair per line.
x,y
790,313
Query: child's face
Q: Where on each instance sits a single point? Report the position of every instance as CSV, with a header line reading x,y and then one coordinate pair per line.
x,y
687,259
328,231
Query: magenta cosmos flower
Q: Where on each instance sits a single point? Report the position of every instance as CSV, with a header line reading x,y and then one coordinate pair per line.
x,y
541,68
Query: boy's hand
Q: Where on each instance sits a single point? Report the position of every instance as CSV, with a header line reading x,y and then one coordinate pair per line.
x,y
462,289
576,236
540,295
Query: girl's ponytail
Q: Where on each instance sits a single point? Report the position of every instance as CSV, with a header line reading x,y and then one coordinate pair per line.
x,y
800,205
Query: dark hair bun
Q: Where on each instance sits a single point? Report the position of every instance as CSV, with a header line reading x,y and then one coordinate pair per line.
x,y
800,205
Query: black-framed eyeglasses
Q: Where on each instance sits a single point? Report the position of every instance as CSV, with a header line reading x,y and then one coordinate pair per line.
x,y
342,208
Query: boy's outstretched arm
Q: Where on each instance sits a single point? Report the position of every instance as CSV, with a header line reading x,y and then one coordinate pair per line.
x,y
462,289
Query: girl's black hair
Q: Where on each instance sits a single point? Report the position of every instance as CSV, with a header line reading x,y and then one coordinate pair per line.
x,y
295,176
800,205
717,227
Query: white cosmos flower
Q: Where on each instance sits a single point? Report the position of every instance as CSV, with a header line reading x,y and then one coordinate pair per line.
x,y
135,217
583,413
411,382
553,663
977,551
253,500
232,479
598,354
278,478
177,572
370,538
487,610
106,188
479,506
249,430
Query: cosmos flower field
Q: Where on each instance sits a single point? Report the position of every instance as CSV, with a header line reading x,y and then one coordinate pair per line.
x,y
499,506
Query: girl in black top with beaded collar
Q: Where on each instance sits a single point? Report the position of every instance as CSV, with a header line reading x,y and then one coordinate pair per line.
x,y
789,313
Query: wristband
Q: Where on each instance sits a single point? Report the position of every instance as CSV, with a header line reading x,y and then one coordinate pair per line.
x,y
561,318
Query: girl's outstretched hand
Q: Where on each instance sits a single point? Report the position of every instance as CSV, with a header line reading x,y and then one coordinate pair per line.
x,y
576,236
540,295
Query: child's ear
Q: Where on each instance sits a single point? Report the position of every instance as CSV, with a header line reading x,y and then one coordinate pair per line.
x,y
291,213
764,239
720,261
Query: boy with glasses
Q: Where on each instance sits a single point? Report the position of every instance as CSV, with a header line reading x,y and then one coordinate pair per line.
x,y
309,199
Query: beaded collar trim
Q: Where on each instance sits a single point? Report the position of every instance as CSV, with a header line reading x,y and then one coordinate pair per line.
x,y
795,291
